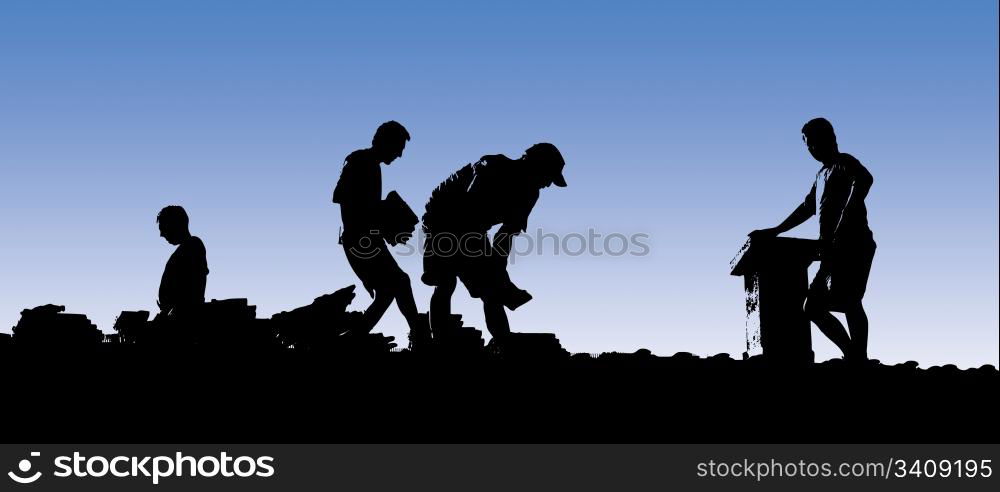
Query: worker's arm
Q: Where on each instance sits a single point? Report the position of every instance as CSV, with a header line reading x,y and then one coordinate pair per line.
x,y
861,183
801,213
516,223
503,240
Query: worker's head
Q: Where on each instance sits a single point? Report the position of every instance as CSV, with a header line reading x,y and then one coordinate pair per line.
x,y
820,140
389,141
546,165
173,222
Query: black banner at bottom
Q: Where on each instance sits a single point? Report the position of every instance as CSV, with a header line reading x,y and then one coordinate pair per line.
x,y
605,467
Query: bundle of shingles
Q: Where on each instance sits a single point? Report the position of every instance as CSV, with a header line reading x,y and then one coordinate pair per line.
x,y
5,341
528,347
131,326
455,338
327,326
50,327
226,324
232,324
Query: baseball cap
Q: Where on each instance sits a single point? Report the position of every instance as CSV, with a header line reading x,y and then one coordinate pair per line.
x,y
547,156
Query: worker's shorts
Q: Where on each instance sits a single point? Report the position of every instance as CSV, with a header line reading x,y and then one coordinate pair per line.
x,y
843,273
467,256
371,261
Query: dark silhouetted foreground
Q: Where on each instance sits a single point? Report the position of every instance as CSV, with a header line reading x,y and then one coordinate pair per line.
x,y
314,374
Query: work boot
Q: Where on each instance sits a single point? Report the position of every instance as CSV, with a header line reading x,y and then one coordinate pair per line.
x,y
516,298
856,357
497,346
420,335
420,341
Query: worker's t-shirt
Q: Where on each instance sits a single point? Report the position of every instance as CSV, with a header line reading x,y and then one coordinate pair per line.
x,y
830,197
481,195
184,276
359,192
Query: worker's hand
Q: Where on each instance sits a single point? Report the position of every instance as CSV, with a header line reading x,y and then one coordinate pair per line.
x,y
763,233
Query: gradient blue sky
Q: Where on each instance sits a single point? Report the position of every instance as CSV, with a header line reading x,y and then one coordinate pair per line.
x,y
677,119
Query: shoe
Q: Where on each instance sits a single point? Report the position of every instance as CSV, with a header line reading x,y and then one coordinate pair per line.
x,y
516,298
420,335
419,340
497,346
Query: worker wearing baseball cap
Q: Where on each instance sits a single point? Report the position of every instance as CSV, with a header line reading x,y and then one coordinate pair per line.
x,y
548,160
495,190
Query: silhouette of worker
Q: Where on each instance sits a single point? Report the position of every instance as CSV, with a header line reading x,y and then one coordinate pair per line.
x,y
494,190
182,287
359,193
846,243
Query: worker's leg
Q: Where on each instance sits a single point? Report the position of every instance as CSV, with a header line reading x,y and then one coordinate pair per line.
x,y
383,298
832,328
857,321
404,298
856,282
817,308
375,268
420,333
496,318
440,312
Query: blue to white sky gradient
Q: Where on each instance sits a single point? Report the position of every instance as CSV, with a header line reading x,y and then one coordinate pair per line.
x,y
677,119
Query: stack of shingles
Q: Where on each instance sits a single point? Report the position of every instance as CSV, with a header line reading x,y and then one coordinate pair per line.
x,y
456,337
533,346
49,326
131,325
326,325
230,323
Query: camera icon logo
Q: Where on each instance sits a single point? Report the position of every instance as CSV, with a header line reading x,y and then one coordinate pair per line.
x,y
25,466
